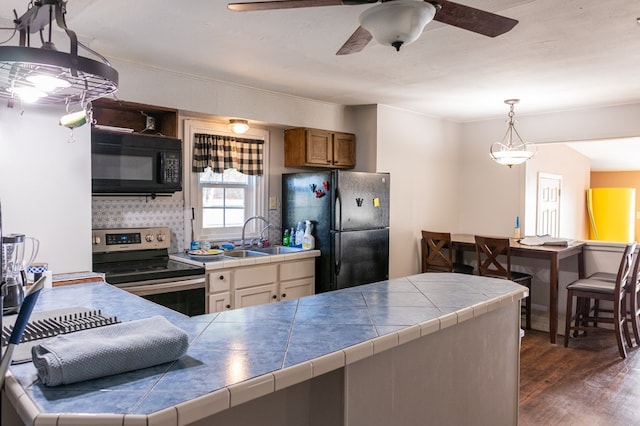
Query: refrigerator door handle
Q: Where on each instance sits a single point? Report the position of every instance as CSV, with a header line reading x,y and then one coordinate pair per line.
x,y
338,254
338,226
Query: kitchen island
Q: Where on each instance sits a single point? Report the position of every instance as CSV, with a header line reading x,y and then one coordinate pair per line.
x,y
429,348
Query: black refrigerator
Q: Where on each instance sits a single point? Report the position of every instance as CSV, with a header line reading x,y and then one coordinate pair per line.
x,y
349,212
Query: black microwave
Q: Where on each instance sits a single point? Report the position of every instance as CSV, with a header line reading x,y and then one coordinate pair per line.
x,y
134,163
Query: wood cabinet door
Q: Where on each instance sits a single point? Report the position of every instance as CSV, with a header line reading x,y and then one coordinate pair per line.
x,y
219,302
319,147
253,296
344,150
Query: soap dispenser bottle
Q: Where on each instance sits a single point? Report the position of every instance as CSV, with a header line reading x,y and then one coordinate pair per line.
x,y
308,240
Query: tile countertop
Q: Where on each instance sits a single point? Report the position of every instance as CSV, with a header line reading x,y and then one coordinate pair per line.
x,y
221,261
236,356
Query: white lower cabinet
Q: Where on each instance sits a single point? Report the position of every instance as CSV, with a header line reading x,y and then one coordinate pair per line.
x,y
252,296
259,284
219,302
296,288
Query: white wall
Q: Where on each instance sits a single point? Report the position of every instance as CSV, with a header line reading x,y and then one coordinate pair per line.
x,y
575,170
493,195
421,153
45,183
45,187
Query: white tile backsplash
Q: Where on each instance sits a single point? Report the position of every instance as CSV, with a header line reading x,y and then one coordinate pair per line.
x,y
140,212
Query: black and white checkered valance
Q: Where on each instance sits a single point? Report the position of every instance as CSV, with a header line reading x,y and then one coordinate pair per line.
x,y
226,152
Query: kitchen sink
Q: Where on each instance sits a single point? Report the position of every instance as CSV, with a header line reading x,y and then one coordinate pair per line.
x,y
244,253
277,250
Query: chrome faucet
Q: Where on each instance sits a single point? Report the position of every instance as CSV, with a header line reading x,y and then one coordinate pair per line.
x,y
244,226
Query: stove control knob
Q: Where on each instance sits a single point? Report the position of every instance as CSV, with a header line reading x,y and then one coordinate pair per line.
x,y
149,238
160,237
96,240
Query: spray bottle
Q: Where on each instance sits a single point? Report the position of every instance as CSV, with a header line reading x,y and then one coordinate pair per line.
x,y
308,241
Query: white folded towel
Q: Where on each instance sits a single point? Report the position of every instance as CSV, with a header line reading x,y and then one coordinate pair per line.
x,y
108,350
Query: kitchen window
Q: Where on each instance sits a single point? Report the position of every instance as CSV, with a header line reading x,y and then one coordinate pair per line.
x,y
222,201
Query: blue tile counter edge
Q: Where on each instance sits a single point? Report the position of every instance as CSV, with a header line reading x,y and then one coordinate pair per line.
x,y
239,355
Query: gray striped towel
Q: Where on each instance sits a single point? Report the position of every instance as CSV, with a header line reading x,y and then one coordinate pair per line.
x,y
108,350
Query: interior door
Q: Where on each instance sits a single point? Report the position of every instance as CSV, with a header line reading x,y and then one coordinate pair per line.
x,y
548,215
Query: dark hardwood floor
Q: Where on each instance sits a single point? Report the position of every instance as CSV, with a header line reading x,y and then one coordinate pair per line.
x,y
585,384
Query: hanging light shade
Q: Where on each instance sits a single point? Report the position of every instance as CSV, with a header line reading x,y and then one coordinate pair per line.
x,y
238,126
399,22
512,149
46,75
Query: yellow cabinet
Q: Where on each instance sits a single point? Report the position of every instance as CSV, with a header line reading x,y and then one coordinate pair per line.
x,y
305,147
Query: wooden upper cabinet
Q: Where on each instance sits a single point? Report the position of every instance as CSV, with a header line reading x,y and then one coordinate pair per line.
x,y
319,148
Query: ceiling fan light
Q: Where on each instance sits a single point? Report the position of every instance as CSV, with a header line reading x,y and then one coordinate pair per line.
x,y
238,126
399,22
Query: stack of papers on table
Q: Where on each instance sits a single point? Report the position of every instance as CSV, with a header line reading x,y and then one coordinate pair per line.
x,y
545,241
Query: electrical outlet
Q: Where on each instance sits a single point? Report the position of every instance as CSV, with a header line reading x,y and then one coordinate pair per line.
x,y
151,123
273,203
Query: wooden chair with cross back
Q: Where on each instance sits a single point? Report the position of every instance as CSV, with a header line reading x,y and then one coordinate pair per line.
x,y
494,260
437,254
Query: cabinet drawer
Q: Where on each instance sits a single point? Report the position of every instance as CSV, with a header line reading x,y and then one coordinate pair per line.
x,y
300,269
247,277
219,281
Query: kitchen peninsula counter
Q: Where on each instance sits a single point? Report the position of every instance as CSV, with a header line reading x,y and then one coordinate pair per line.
x,y
443,347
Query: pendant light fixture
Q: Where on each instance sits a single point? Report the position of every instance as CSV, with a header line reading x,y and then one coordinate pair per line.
x,y
512,150
238,126
46,75
399,22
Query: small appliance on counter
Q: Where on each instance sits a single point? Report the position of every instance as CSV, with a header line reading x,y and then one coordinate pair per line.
x,y
18,253
137,260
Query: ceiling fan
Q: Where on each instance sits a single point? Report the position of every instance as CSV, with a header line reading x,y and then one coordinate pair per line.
x,y
397,22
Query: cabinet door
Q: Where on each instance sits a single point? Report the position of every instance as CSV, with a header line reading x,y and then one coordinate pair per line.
x,y
297,288
344,150
219,302
253,296
319,147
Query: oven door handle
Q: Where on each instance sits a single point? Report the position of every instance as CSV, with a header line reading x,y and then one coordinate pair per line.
x,y
165,287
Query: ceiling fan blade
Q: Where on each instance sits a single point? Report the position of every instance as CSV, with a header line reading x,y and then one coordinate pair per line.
x,y
469,18
358,40
286,4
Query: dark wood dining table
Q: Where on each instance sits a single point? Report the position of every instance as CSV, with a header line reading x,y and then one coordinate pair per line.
x,y
553,253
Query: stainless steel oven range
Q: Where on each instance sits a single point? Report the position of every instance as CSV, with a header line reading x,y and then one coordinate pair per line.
x,y
137,260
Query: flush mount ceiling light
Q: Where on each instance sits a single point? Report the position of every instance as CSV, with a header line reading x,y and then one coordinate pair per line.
x,y
399,22
511,150
238,126
46,75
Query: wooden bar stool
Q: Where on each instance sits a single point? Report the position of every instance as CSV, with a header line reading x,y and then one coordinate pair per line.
x,y
587,289
437,254
633,291
488,250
